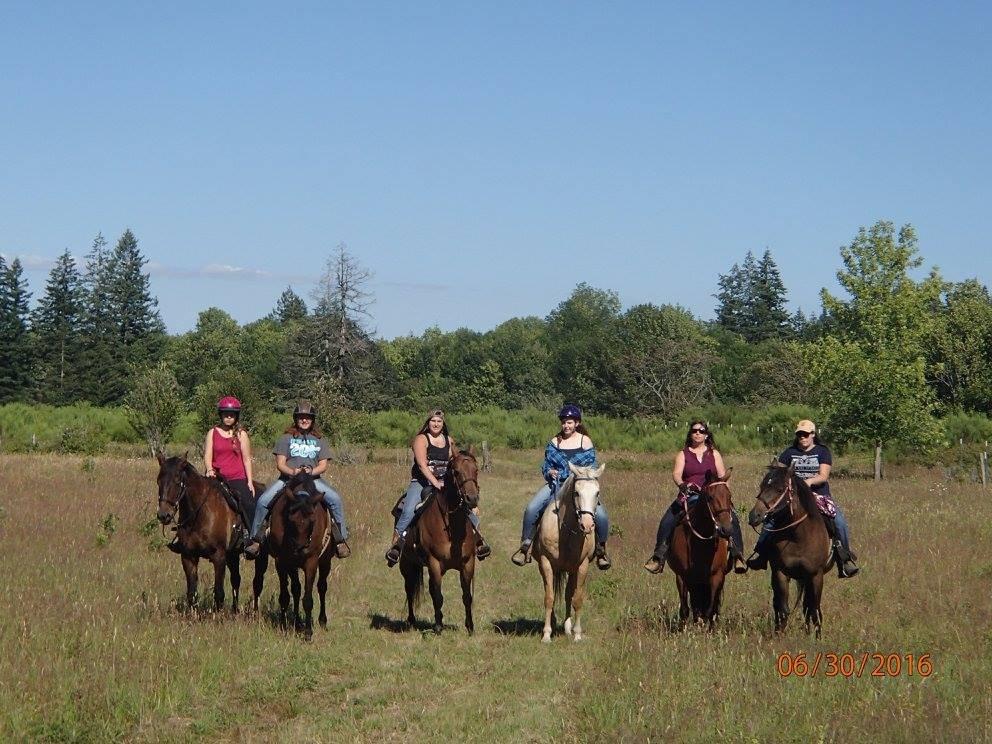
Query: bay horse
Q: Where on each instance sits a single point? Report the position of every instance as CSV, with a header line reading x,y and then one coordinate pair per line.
x,y
301,538
698,555
443,539
800,546
565,544
205,528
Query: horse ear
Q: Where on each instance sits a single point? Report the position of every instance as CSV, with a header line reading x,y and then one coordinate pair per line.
x,y
471,450
571,467
776,463
790,470
727,476
160,458
186,456
600,469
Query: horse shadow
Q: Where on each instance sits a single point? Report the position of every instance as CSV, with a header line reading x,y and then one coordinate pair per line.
x,y
519,626
378,621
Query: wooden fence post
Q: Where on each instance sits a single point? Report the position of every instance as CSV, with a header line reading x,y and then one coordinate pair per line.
x,y
878,460
487,457
983,463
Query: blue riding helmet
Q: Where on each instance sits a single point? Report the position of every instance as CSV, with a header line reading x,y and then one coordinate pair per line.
x,y
570,411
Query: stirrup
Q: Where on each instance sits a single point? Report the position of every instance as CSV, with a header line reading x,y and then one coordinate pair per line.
x,y
522,557
341,549
482,550
603,562
394,552
654,564
756,561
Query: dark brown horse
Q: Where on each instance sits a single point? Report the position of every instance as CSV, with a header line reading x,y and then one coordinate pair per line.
x,y
799,542
443,539
301,538
698,555
206,527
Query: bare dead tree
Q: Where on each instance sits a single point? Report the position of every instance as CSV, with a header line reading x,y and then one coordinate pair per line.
x,y
670,376
343,299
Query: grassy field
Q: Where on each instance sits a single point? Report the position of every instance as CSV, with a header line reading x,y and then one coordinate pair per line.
x,y
93,646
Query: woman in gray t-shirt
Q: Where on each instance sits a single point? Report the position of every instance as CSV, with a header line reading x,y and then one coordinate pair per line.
x,y
300,449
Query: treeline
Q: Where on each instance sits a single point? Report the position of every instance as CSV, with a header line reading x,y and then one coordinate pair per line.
x,y
883,363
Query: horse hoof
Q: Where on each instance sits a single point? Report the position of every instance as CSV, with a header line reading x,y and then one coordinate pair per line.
x,y
578,637
546,638
438,628
323,623
568,627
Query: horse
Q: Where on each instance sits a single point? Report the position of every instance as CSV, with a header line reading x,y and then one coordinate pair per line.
x,y
565,544
301,538
800,546
205,528
443,539
698,555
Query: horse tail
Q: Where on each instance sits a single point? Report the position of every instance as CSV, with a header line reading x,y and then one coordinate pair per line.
x,y
415,584
560,577
801,591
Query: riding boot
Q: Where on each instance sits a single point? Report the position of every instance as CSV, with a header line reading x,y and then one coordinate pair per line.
x,y
603,562
254,546
174,545
666,528
522,556
758,560
656,563
482,549
393,554
844,558
737,547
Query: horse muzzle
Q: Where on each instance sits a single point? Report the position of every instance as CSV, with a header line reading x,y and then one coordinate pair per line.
x,y
757,515
586,523
164,517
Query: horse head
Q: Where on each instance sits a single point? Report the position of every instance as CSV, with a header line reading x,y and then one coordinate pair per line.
x,y
775,492
719,502
172,475
463,470
586,494
301,508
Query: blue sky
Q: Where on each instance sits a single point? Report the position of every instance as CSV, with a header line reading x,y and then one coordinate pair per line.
x,y
482,159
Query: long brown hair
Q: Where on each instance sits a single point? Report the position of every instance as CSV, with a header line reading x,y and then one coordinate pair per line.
x,y
296,431
579,427
235,433
710,441
426,426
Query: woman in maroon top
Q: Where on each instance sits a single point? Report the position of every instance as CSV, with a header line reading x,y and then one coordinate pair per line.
x,y
227,453
699,457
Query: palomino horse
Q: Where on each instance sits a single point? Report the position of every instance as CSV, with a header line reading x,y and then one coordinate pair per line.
x,y
443,539
698,555
301,537
800,543
205,527
565,542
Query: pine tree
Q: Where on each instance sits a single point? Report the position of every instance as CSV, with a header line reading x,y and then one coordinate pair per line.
x,y
289,307
769,318
56,326
15,343
102,359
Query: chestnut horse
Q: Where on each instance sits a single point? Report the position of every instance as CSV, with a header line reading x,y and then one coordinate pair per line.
x,y
443,539
698,555
206,527
564,545
301,538
800,544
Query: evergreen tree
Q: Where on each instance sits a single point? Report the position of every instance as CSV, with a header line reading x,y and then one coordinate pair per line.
x,y
769,318
101,357
56,326
289,307
15,343
139,327
733,299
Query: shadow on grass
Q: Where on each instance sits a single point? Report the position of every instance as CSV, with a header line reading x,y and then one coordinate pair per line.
x,y
384,622
519,626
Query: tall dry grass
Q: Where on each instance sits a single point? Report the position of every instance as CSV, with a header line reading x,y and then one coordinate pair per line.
x,y
94,645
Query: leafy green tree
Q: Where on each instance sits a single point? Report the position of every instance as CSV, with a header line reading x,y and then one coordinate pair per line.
x,y
15,343
57,335
961,348
582,346
213,345
870,377
520,347
154,405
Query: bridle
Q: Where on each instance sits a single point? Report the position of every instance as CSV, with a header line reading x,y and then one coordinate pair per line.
x,y
774,508
174,506
709,508
454,483
575,506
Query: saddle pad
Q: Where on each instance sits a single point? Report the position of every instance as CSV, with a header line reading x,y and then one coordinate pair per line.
x,y
826,505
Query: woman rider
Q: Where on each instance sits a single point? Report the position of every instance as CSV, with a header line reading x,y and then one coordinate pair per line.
x,y
300,450
570,445
227,453
812,461
432,448
697,457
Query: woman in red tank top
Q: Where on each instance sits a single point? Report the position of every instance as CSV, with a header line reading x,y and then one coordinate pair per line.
x,y
699,457
227,453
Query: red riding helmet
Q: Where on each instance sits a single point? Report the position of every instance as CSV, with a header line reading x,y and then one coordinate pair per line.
x,y
229,404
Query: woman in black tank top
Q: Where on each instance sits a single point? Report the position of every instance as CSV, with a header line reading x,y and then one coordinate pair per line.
x,y
432,448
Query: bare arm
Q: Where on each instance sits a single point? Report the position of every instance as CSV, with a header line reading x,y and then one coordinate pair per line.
x,y
420,457
678,468
721,471
208,455
319,468
283,468
821,477
246,458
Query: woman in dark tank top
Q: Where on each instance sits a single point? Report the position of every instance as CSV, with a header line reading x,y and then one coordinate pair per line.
x,y
698,457
432,448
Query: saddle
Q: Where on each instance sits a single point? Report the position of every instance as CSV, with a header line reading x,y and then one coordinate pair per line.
x,y
425,498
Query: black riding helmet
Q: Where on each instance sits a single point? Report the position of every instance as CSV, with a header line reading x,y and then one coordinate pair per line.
x,y
304,408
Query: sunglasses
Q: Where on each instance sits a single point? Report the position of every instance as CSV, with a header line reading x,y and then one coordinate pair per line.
x,y
804,433
699,431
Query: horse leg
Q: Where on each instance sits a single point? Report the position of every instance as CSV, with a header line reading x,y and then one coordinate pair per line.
x,y
309,574
434,572
578,598
283,594
234,566
261,565
465,575
322,570
716,592
683,599
573,577
294,579
780,599
191,568
811,603
413,581
220,569
548,574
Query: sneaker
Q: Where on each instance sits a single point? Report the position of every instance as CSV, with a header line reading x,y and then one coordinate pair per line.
x,y
342,550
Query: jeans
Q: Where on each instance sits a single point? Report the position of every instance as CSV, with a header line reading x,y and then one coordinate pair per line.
x,y
670,519
840,522
331,498
537,506
408,508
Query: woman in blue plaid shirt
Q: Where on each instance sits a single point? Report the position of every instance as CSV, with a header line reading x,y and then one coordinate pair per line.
x,y
570,445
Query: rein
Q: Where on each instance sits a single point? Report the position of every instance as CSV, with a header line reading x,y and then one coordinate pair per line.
x,y
709,508
183,494
578,512
772,511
